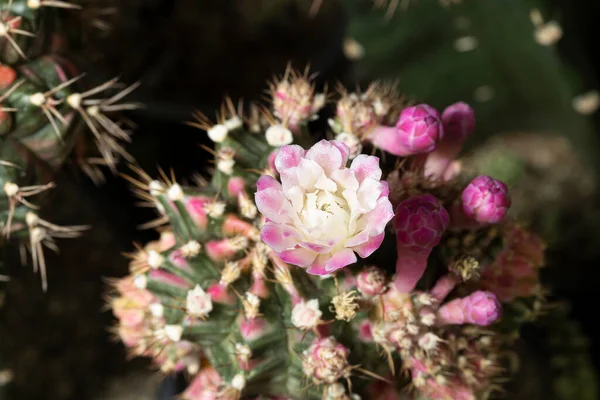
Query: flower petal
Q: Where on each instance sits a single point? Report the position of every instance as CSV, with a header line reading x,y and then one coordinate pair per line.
x,y
288,156
344,150
369,192
279,237
366,167
267,181
327,263
366,249
326,155
273,205
308,174
345,178
318,247
376,220
300,256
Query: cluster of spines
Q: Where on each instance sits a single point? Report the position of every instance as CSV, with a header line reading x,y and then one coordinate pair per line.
x,y
41,117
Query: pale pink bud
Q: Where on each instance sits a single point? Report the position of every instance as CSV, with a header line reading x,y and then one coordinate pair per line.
x,y
485,200
234,226
371,281
219,293
194,205
326,360
479,308
221,250
331,232
168,278
306,315
418,130
251,329
204,386
365,331
420,222
235,186
459,122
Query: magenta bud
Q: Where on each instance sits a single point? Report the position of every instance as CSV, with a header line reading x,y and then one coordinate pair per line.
x,y
479,308
485,200
419,129
458,120
420,222
371,281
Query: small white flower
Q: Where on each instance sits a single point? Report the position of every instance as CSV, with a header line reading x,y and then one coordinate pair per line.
x,y
174,332
198,302
306,315
226,166
278,135
175,193
233,123
191,248
140,281
215,209
218,133
157,310
155,259
238,382
156,188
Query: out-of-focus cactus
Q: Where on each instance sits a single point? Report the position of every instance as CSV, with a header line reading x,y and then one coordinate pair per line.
x,y
305,264
44,110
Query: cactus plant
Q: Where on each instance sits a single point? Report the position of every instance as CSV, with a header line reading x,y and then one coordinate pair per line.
x,y
317,264
45,106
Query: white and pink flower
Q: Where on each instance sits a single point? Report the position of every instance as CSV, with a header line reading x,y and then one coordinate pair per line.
x,y
321,212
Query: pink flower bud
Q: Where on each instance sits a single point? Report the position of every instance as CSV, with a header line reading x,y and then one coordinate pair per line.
x,y
306,315
168,278
418,130
251,329
479,308
219,293
459,122
195,208
485,200
371,281
233,226
420,222
220,250
205,386
365,331
235,186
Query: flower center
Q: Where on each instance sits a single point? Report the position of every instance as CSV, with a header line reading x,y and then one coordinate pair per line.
x,y
324,216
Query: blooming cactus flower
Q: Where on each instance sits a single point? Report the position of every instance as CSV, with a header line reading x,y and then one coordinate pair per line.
x,y
322,212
